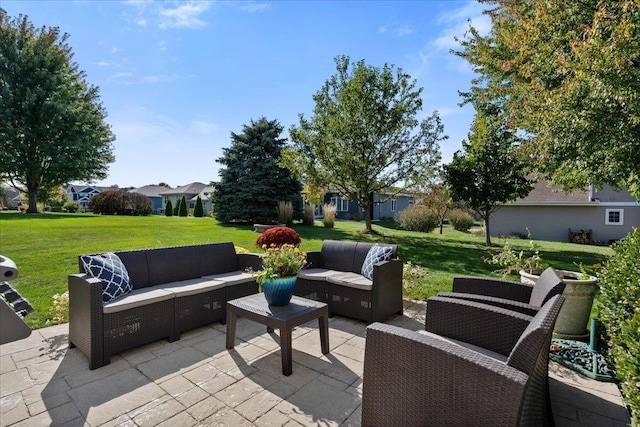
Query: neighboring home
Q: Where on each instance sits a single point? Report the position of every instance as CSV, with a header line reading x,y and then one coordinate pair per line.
x,y
14,196
153,192
191,193
384,206
83,193
551,214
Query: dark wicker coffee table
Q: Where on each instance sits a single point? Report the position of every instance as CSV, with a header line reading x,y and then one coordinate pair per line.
x,y
285,318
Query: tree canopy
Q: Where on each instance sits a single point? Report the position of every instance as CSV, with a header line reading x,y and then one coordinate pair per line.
x,y
567,75
487,172
52,128
364,135
252,183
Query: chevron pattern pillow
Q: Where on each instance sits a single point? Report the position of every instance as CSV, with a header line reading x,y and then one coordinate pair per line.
x,y
375,255
114,275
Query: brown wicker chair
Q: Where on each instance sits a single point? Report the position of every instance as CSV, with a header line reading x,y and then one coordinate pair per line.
x,y
474,365
516,296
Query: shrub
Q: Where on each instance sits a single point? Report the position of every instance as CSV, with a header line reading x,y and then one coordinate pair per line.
x,y
183,207
198,210
116,202
308,217
168,210
70,206
329,215
176,208
617,304
460,220
278,236
285,213
418,218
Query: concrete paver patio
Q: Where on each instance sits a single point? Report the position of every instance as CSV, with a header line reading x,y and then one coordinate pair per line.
x,y
196,381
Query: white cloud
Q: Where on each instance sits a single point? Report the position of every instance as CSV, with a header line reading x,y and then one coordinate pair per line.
x,y
121,75
402,30
184,16
256,7
456,24
204,128
383,29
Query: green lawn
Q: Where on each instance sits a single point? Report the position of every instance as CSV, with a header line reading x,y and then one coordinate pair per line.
x,y
45,247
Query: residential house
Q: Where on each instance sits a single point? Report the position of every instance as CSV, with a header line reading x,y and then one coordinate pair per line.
x,y
191,193
603,215
14,197
83,193
384,205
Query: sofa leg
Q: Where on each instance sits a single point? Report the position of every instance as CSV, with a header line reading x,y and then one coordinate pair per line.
x,y
174,338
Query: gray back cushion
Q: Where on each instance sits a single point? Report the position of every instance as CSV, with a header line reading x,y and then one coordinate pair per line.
x,y
547,285
136,263
216,258
338,255
172,264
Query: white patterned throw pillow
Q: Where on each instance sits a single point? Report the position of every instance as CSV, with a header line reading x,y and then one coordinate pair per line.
x,y
375,255
109,268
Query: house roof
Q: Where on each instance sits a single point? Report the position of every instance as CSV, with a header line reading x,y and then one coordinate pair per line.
x,y
150,190
544,193
191,190
205,194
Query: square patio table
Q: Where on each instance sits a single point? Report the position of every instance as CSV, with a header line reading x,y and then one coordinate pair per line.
x,y
297,312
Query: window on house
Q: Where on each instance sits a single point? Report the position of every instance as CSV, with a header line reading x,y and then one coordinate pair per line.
x,y
341,204
394,205
614,217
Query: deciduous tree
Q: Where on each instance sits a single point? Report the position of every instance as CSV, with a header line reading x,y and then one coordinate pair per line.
x,y
487,172
364,135
52,124
567,75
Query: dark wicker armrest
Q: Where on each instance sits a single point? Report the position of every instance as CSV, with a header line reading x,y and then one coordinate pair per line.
x,y
411,379
86,320
521,307
484,325
249,261
498,288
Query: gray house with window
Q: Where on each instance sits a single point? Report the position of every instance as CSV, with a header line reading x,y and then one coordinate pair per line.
x,y
384,206
604,215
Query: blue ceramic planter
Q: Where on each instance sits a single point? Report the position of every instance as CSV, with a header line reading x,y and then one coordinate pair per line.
x,y
278,292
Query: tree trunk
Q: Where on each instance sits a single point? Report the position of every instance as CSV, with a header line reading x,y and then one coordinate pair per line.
x,y
367,218
487,229
33,201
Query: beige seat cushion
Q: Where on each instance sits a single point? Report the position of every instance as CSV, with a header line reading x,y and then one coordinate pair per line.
x,y
137,298
232,278
320,274
492,354
352,280
190,287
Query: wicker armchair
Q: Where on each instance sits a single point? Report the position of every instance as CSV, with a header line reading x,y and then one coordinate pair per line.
x,y
497,377
516,296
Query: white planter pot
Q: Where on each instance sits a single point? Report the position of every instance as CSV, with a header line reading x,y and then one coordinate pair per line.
x,y
575,312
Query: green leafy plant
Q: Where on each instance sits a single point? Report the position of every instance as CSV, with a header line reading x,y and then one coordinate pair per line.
x,y
512,261
619,313
280,261
418,218
460,220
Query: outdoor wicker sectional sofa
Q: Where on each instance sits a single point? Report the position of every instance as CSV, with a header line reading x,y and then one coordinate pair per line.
x,y
335,276
174,289
474,364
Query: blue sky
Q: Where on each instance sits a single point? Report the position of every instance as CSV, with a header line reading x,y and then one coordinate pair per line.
x,y
176,78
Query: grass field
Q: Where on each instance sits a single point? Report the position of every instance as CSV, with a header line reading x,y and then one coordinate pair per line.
x,y
45,247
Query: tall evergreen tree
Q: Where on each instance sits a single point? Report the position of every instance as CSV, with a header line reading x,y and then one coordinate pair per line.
x,y
176,208
252,183
168,211
183,211
198,210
